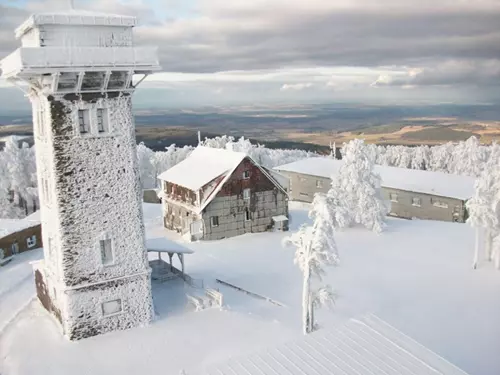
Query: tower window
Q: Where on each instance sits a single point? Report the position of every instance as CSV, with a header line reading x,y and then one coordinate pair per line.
x,y
246,175
106,252
247,215
83,121
117,80
112,307
102,120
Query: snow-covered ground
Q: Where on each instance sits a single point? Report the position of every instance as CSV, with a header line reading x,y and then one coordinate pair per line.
x,y
417,276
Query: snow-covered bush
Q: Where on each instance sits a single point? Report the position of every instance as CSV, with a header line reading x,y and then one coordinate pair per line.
x,y
355,190
315,249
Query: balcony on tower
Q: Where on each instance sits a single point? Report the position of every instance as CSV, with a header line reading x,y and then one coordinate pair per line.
x,y
78,52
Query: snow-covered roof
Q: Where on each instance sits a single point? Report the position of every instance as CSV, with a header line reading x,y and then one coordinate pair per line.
x,y
75,17
203,165
9,226
427,182
367,346
164,245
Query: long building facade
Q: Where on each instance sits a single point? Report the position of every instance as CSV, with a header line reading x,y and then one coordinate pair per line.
x,y
411,193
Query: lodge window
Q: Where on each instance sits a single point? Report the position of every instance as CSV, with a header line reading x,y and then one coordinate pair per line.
x,y
83,121
112,307
319,184
303,194
393,197
247,215
15,248
31,241
214,221
415,201
246,193
246,175
438,203
106,252
102,120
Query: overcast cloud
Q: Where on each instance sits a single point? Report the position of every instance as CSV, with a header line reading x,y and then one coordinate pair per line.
x,y
309,47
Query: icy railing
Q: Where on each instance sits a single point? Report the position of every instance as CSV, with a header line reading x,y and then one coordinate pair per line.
x,y
55,57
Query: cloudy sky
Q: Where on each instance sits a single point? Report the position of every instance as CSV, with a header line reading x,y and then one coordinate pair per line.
x,y
253,51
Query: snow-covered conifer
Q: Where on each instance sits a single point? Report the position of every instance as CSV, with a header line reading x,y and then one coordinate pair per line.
x,y
356,191
484,211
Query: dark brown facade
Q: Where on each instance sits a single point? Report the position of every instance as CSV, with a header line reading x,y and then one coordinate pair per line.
x,y
23,240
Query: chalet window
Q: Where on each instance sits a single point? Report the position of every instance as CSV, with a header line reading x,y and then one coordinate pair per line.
x,y
438,203
15,248
415,201
319,184
214,221
106,252
83,121
303,194
112,307
246,193
246,175
247,215
31,241
393,197
102,120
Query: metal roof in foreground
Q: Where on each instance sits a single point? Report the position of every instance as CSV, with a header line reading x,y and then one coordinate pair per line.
x,y
366,346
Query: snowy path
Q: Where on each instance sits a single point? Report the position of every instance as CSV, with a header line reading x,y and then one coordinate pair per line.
x,y
17,286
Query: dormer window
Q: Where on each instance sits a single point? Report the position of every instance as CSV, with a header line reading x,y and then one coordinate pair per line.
x,y
246,175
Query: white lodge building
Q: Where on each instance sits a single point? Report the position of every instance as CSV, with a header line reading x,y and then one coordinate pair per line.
x,y
411,193
79,66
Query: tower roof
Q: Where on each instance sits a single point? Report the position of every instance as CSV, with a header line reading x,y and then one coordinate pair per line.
x,y
75,17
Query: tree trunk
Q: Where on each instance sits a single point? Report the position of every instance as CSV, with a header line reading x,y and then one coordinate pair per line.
x,y
476,250
488,245
306,300
311,314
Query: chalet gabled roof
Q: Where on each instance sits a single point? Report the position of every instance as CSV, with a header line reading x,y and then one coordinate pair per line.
x,y
204,165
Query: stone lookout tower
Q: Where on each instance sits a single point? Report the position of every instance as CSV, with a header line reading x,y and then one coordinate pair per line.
x,y
78,67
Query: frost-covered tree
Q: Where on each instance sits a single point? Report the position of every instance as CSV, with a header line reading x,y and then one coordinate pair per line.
x,y
420,159
315,249
483,209
356,189
147,171
20,171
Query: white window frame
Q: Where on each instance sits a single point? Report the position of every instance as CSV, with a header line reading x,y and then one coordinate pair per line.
x,y
248,217
214,221
416,201
393,197
246,175
103,251
14,248
117,312
83,121
246,194
319,184
102,120
31,241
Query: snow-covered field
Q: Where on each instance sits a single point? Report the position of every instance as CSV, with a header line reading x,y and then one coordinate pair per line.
x,y
417,276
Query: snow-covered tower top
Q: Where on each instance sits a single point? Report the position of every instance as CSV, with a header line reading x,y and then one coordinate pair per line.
x,y
62,45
